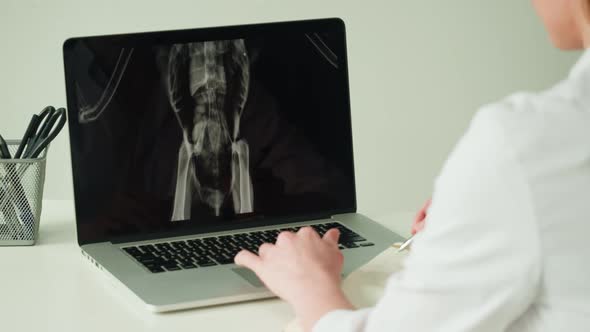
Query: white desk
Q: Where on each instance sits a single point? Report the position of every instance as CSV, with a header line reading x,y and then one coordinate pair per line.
x,y
50,287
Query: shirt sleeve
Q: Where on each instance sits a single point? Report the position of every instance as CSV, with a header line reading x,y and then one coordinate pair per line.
x,y
476,265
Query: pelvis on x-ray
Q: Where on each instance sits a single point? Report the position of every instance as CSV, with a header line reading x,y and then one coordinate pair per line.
x,y
208,87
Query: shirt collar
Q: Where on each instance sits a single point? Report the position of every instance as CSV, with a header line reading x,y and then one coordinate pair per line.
x,y
582,65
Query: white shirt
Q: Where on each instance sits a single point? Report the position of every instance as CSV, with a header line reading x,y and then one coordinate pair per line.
x,y
506,245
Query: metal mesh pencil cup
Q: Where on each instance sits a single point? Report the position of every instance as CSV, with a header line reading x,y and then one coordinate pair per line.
x,y
21,194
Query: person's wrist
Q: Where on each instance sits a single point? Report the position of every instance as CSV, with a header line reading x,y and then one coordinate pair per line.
x,y
309,310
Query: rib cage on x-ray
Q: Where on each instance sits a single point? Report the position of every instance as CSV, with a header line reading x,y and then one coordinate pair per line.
x,y
210,66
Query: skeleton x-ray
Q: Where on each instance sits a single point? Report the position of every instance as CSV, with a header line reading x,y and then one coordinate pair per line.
x,y
198,77
203,131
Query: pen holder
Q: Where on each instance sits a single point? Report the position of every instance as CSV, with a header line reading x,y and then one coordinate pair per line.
x,y
21,194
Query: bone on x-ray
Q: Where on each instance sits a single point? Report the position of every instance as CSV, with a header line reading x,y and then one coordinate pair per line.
x,y
207,64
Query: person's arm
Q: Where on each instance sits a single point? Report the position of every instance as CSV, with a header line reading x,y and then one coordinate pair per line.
x,y
476,266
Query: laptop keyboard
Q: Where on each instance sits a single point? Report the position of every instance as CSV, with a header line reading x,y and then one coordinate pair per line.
x,y
220,250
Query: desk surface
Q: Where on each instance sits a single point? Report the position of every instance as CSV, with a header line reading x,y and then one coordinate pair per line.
x,y
50,287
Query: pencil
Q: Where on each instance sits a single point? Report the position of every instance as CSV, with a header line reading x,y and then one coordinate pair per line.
x,y
406,244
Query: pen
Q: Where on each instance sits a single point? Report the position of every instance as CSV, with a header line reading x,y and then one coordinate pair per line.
x,y
406,244
10,224
4,153
7,209
15,195
31,130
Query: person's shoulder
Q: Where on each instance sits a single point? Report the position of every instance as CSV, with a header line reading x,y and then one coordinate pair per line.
x,y
534,108
515,110
530,116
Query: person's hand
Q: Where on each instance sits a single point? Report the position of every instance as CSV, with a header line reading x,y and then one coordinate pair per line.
x,y
419,220
303,269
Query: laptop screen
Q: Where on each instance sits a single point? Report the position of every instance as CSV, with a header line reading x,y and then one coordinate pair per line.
x,y
185,131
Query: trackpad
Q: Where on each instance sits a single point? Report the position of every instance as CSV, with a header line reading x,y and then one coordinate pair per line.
x,y
249,276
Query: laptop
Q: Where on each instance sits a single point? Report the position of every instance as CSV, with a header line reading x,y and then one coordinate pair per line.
x,y
190,145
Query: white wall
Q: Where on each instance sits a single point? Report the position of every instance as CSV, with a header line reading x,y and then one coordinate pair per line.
x,y
419,69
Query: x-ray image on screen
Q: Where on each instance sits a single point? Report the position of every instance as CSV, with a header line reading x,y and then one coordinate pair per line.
x,y
207,84
206,132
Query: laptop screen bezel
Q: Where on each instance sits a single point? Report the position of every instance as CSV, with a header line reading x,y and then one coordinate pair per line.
x,y
335,25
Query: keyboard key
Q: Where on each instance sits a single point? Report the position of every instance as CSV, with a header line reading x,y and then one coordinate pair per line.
x,y
367,244
156,269
352,238
149,261
132,250
210,263
172,268
147,248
